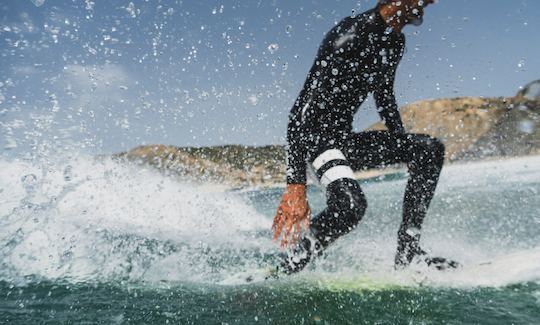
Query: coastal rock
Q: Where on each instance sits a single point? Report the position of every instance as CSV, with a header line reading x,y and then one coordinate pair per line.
x,y
471,128
232,165
477,128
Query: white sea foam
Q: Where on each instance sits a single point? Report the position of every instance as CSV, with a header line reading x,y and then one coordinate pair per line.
x,y
484,215
488,175
500,271
518,267
96,219
88,219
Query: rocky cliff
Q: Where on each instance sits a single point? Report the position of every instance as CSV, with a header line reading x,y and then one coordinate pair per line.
x,y
471,128
231,165
476,128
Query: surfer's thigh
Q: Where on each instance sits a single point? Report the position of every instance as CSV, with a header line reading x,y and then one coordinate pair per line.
x,y
330,164
377,149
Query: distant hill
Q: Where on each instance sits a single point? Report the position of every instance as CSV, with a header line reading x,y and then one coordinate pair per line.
x,y
232,165
477,128
471,128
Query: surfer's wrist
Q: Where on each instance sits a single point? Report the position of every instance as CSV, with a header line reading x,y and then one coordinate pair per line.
x,y
298,189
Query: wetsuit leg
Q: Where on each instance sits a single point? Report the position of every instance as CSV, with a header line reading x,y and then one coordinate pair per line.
x,y
424,156
346,205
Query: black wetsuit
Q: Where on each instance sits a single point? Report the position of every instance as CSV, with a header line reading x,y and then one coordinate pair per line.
x,y
357,57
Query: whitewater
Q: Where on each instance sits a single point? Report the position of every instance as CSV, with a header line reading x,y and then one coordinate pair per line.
x,y
105,224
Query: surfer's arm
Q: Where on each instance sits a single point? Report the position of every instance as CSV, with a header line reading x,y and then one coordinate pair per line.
x,y
293,211
296,150
387,105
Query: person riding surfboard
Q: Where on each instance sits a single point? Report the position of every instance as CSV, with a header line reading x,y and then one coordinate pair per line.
x,y
357,57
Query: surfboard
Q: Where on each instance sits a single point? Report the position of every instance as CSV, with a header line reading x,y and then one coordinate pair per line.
x,y
502,270
499,271
331,282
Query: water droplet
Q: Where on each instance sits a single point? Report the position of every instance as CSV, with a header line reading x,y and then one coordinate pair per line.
x,y
288,29
273,48
29,182
38,3
132,10
253,99
68,173
526,126
532,91
335,72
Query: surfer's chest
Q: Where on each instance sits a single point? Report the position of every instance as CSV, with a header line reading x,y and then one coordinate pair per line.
x,y
378,55
373,58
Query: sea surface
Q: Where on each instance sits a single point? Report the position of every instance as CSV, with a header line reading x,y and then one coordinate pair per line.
x,y
95,241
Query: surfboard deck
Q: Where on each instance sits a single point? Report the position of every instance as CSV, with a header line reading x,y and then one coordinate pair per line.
x,y
498,271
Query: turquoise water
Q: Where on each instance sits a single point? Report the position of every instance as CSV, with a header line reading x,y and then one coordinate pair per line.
x,y
87,241
265,304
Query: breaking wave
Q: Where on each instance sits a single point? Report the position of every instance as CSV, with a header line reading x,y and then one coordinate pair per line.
x,y
101,220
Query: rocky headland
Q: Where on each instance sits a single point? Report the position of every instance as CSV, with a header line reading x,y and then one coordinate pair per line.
x,y
472,128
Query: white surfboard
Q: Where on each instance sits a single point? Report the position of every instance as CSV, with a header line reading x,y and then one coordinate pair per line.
x,y
518,267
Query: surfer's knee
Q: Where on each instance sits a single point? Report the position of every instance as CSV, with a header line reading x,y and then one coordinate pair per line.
x,y
437,149
429,151
347,198
346,201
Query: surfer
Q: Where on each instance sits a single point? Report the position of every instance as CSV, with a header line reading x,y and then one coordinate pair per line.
x,y
357,57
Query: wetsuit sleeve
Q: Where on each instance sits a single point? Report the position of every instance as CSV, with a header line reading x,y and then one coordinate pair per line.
x,y
387,106
296,149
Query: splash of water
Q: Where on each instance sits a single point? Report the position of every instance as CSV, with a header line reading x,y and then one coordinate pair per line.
x,y
100,220
97,220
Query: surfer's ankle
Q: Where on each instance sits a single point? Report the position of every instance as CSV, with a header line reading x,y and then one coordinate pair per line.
x,y
408,248
298,258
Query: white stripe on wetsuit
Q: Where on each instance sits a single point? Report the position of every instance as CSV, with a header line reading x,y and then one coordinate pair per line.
x,y
336,172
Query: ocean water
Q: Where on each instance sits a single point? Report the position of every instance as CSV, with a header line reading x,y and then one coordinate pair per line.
x,y
87,240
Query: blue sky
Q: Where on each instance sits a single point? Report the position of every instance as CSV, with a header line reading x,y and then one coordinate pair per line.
x,y
105,76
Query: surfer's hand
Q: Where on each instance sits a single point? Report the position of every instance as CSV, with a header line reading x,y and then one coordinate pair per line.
x,y
292,215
